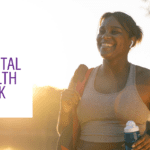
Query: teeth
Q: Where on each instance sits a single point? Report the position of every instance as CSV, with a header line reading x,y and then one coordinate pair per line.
x,y
104,44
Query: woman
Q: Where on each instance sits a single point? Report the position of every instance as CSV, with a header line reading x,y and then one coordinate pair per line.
x,y
117,91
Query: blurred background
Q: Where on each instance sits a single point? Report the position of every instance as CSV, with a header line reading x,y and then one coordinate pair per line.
x,y
51,39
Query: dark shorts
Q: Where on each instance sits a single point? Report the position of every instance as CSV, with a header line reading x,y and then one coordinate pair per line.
x,y
84,145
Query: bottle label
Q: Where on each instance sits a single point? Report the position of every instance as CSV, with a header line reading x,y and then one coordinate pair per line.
x,y
130,138
135,136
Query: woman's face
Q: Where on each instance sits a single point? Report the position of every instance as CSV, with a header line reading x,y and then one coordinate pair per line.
x,y
112,40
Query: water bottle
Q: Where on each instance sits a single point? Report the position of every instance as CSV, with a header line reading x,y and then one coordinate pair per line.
x,y
131,134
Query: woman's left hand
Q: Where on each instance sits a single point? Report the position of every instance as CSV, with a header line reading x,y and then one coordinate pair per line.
x,y
143,143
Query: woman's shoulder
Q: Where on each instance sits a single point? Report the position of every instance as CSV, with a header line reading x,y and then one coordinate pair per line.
x,y
79,74
143,74
143,83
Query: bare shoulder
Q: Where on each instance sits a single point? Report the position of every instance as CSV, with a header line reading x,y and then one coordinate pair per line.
x,y
143,84
78,75
143,75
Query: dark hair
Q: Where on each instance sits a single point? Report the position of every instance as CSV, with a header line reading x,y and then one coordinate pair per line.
x,y
128,24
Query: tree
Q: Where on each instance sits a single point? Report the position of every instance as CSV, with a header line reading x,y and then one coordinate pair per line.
x,y
147,8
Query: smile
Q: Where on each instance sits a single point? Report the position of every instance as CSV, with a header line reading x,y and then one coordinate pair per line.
x,y
106,45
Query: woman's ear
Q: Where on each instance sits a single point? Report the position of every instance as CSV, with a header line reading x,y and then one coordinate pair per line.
x,y
133,42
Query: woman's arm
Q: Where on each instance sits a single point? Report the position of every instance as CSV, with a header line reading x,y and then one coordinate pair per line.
x,y
65,117
148,105
70,98
63,120
144,141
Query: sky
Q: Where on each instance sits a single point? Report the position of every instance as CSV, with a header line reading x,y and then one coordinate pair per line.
x,y
51,38
61,35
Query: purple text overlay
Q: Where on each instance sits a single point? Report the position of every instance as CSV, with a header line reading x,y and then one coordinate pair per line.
x,y
9,73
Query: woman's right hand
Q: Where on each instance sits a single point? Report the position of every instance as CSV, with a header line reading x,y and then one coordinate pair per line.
x,y
69,99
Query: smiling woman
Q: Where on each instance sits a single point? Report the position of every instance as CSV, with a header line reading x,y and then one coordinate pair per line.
x,y
113,89
125,34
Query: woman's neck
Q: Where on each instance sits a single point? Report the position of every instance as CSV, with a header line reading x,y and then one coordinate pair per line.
x,y
115,67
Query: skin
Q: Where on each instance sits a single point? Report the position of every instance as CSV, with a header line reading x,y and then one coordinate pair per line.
x,y
69,99
115,67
